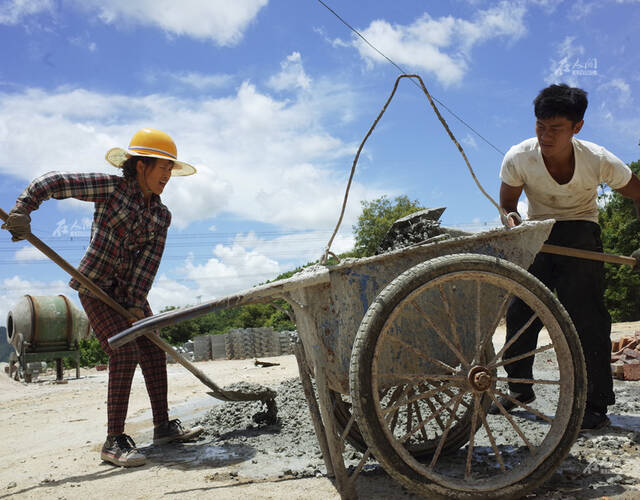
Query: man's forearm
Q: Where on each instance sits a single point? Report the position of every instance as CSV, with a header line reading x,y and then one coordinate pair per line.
x,y
511,207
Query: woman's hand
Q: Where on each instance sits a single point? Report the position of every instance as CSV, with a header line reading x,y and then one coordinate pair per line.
x,y
18,224
137,313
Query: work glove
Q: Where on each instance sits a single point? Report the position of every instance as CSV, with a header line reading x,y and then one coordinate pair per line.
x,y
18,224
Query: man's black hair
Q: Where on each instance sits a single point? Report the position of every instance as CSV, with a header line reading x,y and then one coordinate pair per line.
x,y
561,100
129,170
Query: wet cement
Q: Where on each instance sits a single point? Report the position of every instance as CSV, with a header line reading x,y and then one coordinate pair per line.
x,y
287,447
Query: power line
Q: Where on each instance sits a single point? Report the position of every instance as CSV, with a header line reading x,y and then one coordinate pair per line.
x,y
402,70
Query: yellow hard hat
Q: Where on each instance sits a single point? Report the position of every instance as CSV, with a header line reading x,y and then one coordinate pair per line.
x,y
151,143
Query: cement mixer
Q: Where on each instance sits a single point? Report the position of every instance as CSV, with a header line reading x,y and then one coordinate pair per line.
x,y
44,328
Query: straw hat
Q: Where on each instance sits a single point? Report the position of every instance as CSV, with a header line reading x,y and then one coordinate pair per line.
x,y
151,143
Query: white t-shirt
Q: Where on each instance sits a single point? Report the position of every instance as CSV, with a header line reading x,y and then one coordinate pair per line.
x,y
576,200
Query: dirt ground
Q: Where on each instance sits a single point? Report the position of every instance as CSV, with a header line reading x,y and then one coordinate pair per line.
x,y
51,435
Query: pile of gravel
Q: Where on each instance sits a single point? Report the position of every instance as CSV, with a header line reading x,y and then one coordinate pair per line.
x,y
288,447
411,229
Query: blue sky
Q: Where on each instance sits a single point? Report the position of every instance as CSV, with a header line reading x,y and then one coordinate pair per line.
x,y
270,100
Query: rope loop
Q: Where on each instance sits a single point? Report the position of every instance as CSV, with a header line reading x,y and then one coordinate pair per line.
x,y
327,249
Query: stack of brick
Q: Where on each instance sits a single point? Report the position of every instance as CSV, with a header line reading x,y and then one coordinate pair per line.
x,y
201,348
625,358
242,345
286,341
218,346
264,342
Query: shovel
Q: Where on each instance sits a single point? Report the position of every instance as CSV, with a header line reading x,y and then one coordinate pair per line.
x,y
258,394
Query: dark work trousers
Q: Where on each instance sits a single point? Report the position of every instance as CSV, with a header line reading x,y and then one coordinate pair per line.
x,y
579,284
122,365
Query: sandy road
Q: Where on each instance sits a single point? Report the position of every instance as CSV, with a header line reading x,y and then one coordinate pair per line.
x,y
51,435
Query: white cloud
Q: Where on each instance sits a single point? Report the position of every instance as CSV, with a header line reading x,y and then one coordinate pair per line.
x,y
548,5
623,130
201,81
477,225
298,247
469,141
523,208
13,289
258,158
604,196
29,253
13,12
167,292
621,91
221,21
583,8
292,75
232,268
440,46
245,263
560,70
84,43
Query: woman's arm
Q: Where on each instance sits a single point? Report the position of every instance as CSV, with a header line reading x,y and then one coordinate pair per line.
x,y
61,185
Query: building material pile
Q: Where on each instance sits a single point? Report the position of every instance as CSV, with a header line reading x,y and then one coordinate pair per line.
x,y
416,228
241,343
625,358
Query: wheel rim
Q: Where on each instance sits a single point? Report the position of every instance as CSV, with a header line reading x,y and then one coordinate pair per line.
x,y
436,369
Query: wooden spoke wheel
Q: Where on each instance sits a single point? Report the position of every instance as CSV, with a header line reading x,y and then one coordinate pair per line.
x,y
429,360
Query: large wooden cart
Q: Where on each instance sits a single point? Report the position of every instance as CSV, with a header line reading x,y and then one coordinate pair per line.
x,y
406,349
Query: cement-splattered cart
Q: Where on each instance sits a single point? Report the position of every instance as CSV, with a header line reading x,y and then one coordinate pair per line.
x,y
406,350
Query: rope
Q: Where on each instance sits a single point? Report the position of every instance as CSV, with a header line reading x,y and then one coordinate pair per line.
x,y
403,71
324,257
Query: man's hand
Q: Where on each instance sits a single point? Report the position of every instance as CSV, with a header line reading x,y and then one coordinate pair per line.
x,y
511,219
509,196
18,224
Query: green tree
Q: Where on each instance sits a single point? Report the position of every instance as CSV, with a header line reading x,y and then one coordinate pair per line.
x,y
91,354
621,235
179,333
249,316
375,220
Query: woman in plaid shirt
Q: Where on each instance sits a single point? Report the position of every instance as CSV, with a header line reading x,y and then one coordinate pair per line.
x,y
128,235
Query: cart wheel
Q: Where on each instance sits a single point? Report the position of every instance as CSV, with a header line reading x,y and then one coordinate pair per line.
x,y
342,413
427,363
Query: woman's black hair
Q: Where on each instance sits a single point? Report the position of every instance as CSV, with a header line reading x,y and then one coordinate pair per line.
x,y
561,100
129,170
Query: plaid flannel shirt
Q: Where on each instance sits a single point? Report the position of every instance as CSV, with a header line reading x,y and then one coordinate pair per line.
x,y
127,238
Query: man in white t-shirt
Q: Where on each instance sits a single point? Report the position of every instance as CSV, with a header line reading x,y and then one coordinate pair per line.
x,y
560,176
